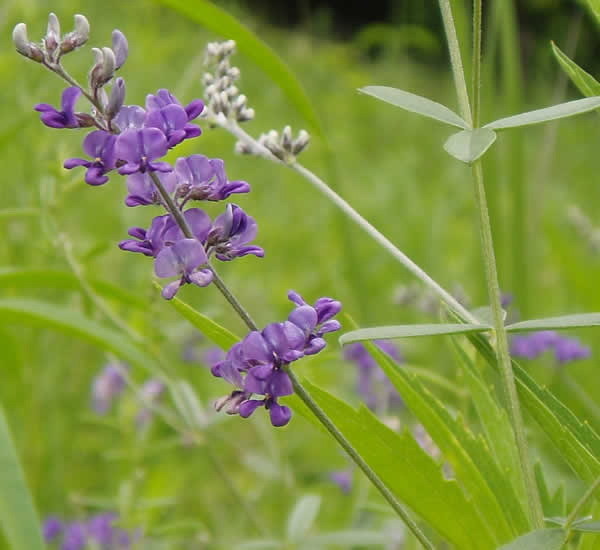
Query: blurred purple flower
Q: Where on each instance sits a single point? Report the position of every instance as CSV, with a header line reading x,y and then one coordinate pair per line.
x,y
343,479
100,146
66,118
51,528
107,385
533,345
369,372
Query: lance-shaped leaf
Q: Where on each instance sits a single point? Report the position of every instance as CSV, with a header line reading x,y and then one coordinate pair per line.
x,y
409,331
562,110
415,104
586,83
469,145
542,539
213,331
18,517
563,322
594,6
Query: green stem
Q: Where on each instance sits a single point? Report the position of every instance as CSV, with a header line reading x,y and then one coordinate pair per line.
x,y
367,227
576,511
185,228
357,458
491,272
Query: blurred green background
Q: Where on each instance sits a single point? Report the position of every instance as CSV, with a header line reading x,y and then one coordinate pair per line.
x,y
387,163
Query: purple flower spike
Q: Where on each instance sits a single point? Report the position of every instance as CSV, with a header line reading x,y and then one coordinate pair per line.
x,y
75,537
201,178
107,386
182,259
61,119
230,233
142,190
570,349
139,148
52,528
99,145
165,103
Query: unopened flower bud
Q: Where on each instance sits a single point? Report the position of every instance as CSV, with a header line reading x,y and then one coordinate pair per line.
x,y
207,79
77,37
120,48
52,38
243,148
286,138
301,142
23,46
116,98
233,73
245,115
228,47
104,67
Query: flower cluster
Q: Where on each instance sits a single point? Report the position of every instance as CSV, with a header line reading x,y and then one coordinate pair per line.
x,y
132,140
370,375
535,344
99,531
257,365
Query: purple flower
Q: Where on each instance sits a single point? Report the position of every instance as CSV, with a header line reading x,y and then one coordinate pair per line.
x,y
66,118
230,234
100,528
369,372
74,537
181,260
107,385
533,345
343,479
201,178
143,191
570,349
130,117
52,528
163,98
99,145
164,231
139,148
257,365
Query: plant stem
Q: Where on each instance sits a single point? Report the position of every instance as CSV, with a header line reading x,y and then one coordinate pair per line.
x,y
455,59
186,230
355,456
581,503
367,227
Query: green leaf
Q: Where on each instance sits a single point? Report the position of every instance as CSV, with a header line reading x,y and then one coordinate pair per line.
x,y
469,145
584,81
15,213
52,278
213,331
577,442
553,506
411,474
302,517
578,320
486,315
348,539
415,104
586,527
218,20
18,517
470,457
555,112
494,420
542,539
594,6
64,319
408,331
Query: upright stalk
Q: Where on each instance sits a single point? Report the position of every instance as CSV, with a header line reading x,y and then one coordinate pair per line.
x,y
491,274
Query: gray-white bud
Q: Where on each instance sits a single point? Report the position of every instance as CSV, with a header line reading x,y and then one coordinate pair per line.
x,y
301,142
120,48
52,38
77,37
104,67
116,99
23,46
286,138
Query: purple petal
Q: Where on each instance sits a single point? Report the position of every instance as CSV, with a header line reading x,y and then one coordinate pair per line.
x,y
255,348
68,100
201,278
194,109
181,258
280,415
248,407
315,346
305,318
199,222
170,290
72,163
280,384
